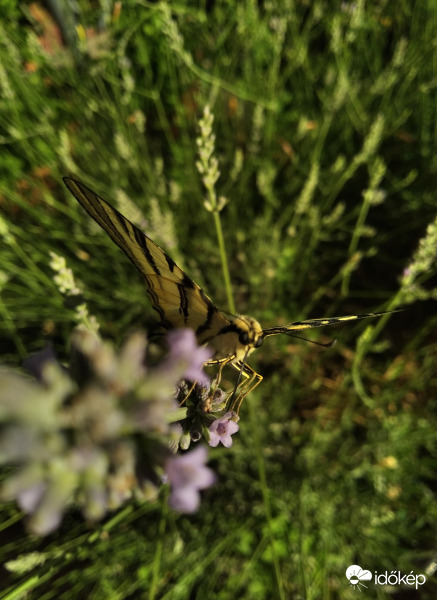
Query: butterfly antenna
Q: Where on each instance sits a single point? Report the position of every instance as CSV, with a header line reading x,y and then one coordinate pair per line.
x,y
326,345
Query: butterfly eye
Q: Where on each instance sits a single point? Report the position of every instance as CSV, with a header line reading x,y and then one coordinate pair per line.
x,y
243,338
259,342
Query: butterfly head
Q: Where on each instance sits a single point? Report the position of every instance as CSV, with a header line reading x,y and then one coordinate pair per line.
x,y
250,335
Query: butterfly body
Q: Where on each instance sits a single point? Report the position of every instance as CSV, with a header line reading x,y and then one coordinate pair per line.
x,y
180,302
238,339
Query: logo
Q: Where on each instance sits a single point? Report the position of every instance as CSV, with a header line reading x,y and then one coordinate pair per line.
x,y
356,576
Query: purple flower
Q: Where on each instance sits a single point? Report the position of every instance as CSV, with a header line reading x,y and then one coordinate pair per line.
x,y
186,355
36,362
187,474
29,498
221,430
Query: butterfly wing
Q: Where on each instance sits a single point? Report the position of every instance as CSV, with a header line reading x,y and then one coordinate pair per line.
x,y
176,298
292,328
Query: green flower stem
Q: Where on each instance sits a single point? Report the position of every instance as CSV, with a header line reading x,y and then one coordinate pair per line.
x,y
224,261
207,165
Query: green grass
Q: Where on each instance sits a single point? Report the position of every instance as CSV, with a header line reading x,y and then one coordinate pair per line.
x,y
325,121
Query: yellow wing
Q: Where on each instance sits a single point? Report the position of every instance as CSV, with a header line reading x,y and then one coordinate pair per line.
x,y
176,298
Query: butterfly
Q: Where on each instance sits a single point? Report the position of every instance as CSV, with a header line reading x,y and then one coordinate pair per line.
x,y
181,303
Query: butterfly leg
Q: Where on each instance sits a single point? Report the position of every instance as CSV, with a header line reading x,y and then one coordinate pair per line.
x,y
253,379
188,394
222,362
218,377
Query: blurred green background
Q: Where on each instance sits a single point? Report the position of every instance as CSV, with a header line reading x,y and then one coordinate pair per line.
x,y
325,119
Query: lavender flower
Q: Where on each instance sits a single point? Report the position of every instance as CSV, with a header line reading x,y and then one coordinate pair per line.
x,y
221,430
186,357
187,474
34,363
99,433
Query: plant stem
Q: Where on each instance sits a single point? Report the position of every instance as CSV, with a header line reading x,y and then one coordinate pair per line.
x,y
224,261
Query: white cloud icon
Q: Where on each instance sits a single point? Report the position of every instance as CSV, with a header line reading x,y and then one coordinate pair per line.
x,y
355,574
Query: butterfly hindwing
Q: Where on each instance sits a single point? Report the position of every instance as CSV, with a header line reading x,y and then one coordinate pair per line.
x,y
179,301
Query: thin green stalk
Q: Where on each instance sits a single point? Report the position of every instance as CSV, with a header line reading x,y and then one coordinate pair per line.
x,y
365,341
22,589
207,165
224,261
410,290
371,198
10,326
266,499
157,562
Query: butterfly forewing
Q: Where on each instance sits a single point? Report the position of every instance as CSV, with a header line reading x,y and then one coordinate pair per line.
x,y
178,300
